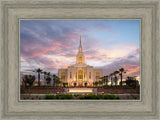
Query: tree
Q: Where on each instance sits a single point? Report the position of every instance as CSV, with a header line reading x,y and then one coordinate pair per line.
x,y
96,83
24,80
65,84
54,79
105,80
39,71
100,82
93,83
48,79
45,73
29,79
102,78
111,78
57,80
131,81
121,70
115,77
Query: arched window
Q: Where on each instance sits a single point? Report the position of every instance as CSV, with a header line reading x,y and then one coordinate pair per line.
x,y
63,76
75,77
80,60
70,74
80,74
89,75
84,76
97,75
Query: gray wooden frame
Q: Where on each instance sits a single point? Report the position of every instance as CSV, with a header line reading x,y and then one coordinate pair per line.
x,y
145,10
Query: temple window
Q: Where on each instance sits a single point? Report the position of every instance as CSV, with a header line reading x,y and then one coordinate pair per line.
x,y
97,75
63,76
76,76
89,75
70,74
80,74
80,60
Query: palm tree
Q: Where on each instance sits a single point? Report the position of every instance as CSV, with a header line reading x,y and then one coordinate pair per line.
x,y
96,83
58,80
24,80
54,79
100,82
93,83
115,77
111,78
103,80
48,79
131,81
39,71
121,70
48,74
45,73
29,79
106,79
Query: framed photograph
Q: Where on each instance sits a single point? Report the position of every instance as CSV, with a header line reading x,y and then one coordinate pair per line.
x,y
104,65
100,59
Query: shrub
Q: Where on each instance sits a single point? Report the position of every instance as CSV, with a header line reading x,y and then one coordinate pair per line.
x,y
100,96
76,95
117,97
109,97
90,96
49,97
81,97
67,96
57,96
62,96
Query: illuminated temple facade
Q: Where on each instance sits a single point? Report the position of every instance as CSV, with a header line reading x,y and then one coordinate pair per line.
x,y
80,74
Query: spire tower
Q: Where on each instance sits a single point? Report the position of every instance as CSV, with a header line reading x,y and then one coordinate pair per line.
x,y
80,46
80,56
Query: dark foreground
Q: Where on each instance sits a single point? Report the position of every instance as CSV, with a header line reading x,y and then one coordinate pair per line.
x,y
95,93
80,97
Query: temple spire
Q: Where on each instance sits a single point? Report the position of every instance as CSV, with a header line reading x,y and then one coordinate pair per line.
x,y
80,46
80,38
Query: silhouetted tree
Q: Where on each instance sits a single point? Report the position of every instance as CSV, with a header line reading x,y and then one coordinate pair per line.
x,y
54,79
131,81
111,75
29,79
121,71
39,71
115,77
44,73
48,79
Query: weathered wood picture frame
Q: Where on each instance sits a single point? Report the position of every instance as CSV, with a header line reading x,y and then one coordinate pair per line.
x,y
145,108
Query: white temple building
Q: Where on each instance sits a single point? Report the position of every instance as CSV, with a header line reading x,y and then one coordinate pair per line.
x,y
80,74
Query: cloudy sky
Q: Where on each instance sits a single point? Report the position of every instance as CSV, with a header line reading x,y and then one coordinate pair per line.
x,y
53,44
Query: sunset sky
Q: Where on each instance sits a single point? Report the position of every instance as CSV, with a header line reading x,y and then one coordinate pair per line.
x,y
53,44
